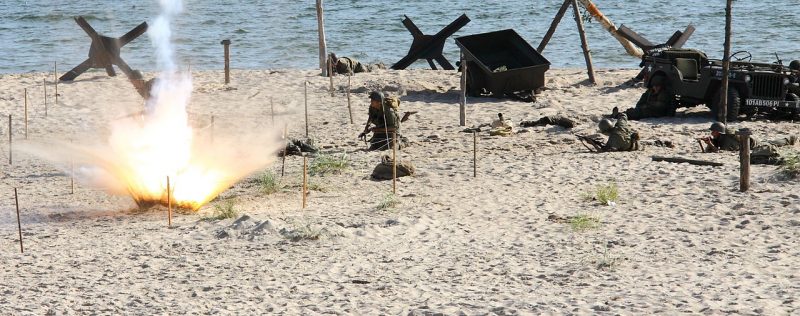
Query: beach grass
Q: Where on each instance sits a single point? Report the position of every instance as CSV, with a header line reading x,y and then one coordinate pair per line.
x,y
325,164
790,167
603,194
224,210
389,201
269,182
583,222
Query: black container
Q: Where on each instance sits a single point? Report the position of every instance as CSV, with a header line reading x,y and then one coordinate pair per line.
x,y
501,62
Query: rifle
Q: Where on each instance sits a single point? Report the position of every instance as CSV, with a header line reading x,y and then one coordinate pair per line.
x,y
597,146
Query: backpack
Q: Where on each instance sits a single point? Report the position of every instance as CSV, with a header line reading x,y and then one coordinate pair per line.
x,y
392,102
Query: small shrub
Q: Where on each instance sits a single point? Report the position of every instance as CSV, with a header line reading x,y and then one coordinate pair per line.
x,y
324,164
604,194
583,222
269,182
224,210
607,261
389,201
790,167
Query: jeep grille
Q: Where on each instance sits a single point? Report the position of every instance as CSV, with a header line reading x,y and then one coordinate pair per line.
x,y
767,86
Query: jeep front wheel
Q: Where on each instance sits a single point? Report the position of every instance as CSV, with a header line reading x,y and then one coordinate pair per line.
x,y
734,101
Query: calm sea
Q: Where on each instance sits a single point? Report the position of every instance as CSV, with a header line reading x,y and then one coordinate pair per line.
x,y
282,33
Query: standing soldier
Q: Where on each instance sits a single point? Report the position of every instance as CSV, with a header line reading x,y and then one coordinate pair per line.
x,y
383,122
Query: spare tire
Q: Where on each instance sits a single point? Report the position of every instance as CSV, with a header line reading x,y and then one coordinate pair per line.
x,y
734,103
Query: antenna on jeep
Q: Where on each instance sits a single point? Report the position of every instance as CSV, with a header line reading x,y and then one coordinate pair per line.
x,y
780,62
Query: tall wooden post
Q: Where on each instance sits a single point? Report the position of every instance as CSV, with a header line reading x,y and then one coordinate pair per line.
x,y
272,111
587,55
323,50
744,159
26,113
305,179
19,223
722,111
9,140
227,43
44,89
462,100
305,93
349,108
55,79
553,26
71,176
212,129
330,73
394,162
474,154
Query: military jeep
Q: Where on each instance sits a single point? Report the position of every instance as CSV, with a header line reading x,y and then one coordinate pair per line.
x,y
694,79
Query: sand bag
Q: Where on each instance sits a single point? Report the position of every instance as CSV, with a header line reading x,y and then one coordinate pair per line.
x,y
383,171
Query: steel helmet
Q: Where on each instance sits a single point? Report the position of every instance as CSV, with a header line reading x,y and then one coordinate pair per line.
x,y
794,65
605,125
376,95
717,127
657,81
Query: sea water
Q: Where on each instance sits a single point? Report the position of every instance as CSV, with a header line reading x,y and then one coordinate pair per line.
x,y
270,34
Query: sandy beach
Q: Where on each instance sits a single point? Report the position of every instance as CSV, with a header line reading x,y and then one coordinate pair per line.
x,y
680,239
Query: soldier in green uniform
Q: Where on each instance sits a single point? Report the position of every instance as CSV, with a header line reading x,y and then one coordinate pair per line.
x,y
347,65
655,102
621,137
383,122
794,78
725,139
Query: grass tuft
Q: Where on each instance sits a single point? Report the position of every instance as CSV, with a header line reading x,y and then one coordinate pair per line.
x,y
583,222
307,231
269,182
790,167
389,201
604,194
224,210
324,164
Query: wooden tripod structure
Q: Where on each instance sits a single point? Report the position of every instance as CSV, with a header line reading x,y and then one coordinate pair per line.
x,y
587,54
104,51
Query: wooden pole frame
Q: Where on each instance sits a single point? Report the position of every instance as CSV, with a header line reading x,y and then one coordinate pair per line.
x,y
19,223
26,113
349,108
587,54
323,50
394,162
553,25
722,111
462,100
305,93
44,89
305,179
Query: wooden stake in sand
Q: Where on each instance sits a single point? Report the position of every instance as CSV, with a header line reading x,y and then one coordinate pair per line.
x,y
44,88
272,110
169,204
283,159
9,140
55,79
394,163
305,179
587,55
349,108
462,100
323,51
744,159
474,154
26,113
306,103
19,224
226,44
330,73
72,176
